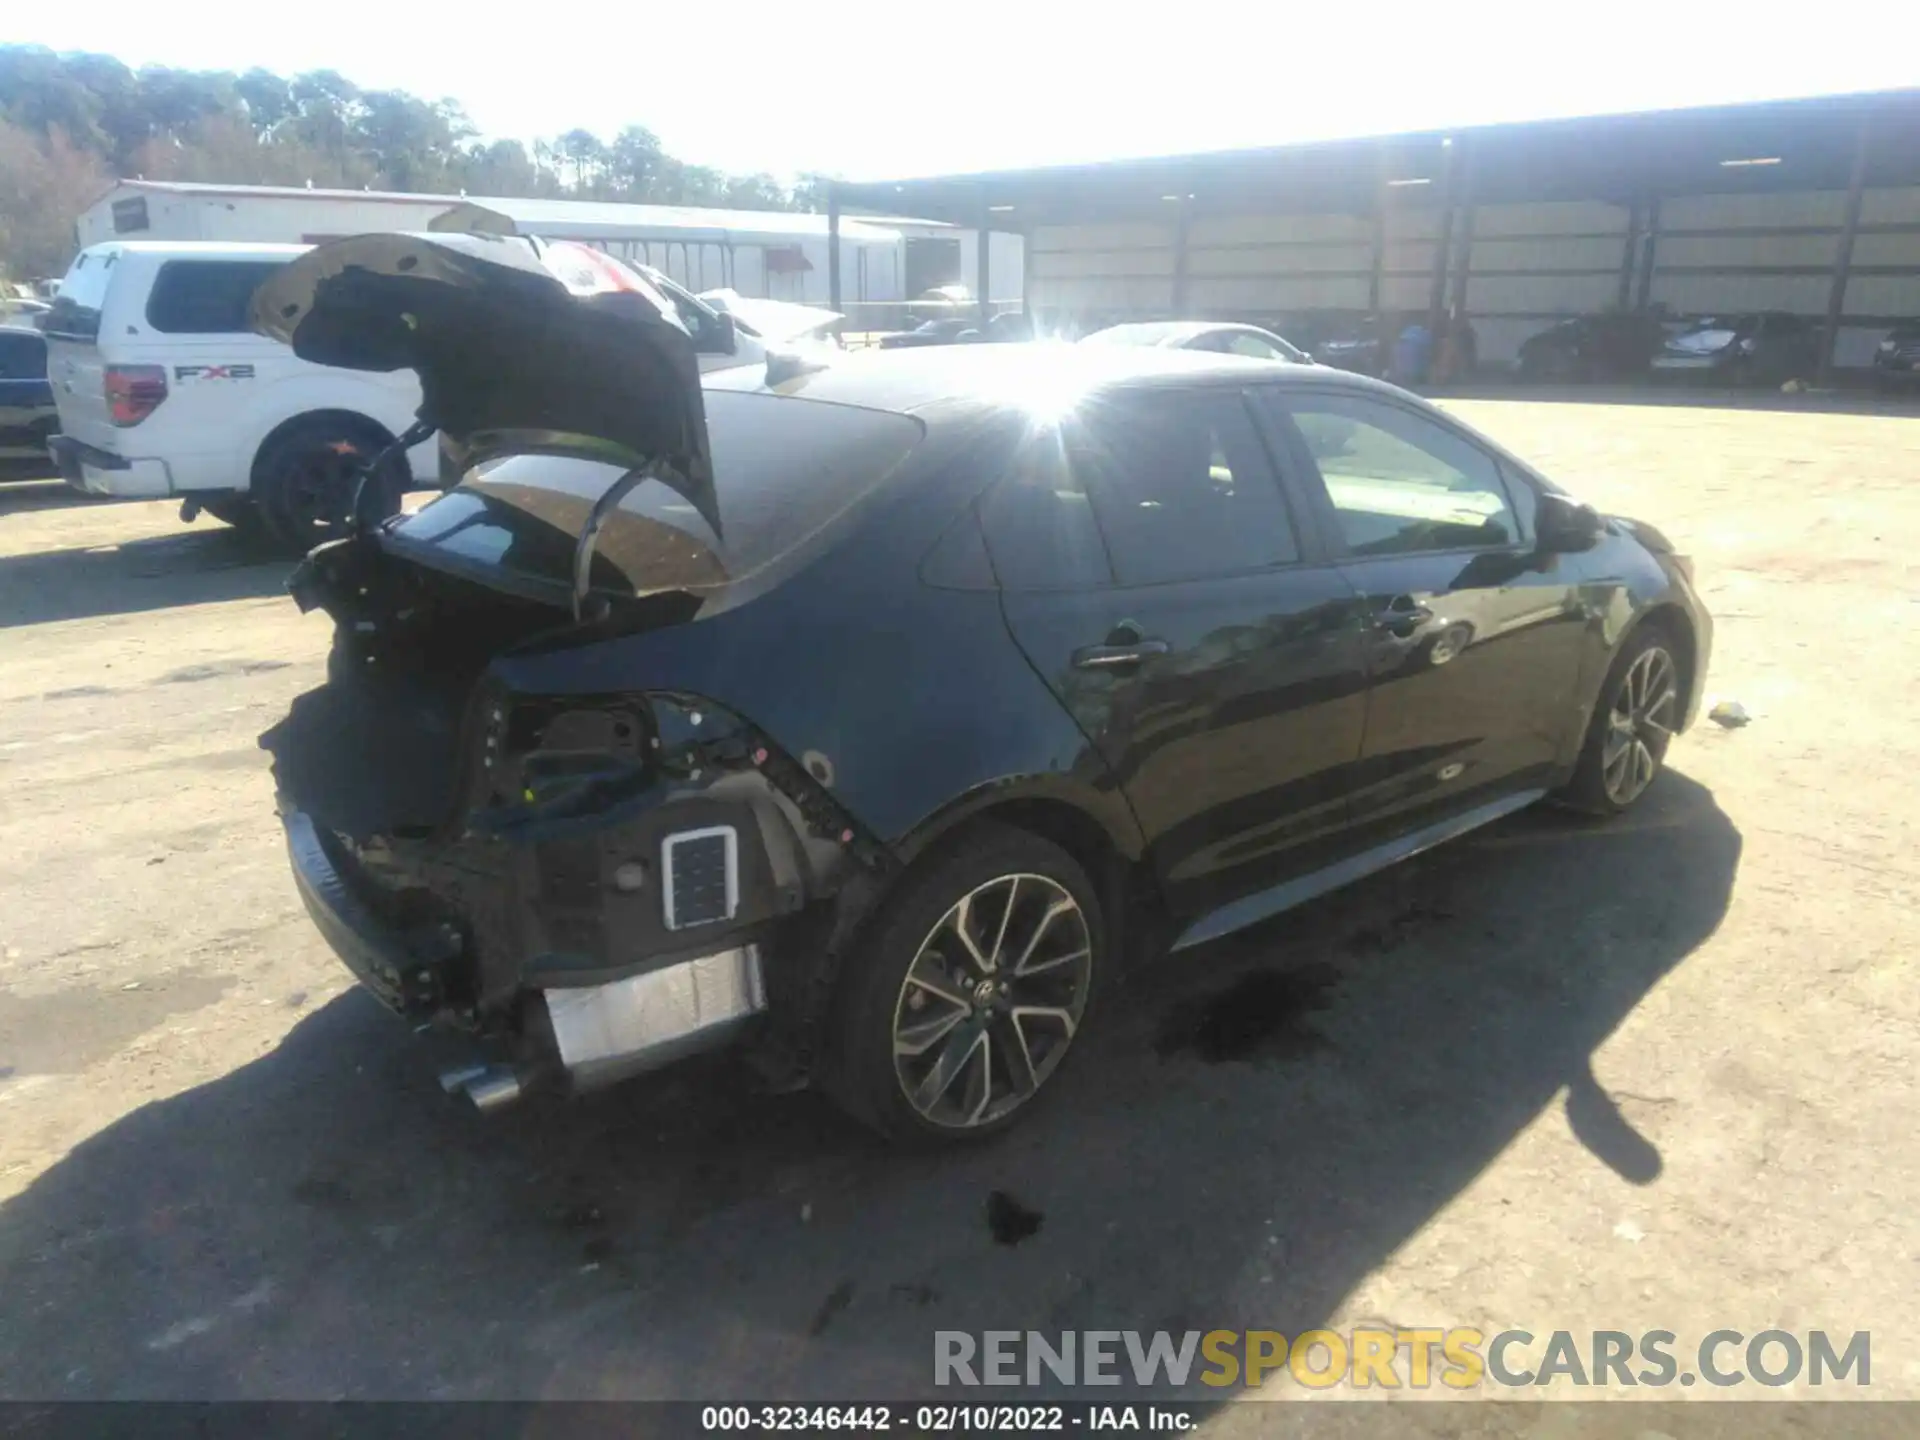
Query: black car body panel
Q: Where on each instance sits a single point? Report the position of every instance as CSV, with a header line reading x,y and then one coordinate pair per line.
x,y
865,653
1615,345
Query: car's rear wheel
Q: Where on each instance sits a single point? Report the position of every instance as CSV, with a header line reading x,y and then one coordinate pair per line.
x,y
1633,724
969,993
305,478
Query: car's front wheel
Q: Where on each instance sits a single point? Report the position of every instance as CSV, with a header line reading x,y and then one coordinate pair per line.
x,y
969,993
1634,721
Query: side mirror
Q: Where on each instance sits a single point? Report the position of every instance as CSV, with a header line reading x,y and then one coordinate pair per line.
x,y
718,337
1562,526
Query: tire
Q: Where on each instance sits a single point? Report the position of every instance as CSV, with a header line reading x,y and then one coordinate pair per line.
x,y
1619,762
304,480
913,980
236,509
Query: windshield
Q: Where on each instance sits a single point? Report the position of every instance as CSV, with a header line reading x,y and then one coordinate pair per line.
x,y
785,470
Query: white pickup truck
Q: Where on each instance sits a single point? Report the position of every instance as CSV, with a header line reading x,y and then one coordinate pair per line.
x,y
163,391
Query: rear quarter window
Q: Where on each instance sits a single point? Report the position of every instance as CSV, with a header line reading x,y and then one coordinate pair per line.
x,y
83,294
786,470
206,297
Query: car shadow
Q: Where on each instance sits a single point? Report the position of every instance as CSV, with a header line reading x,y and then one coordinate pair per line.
x,y
1252,1129
194,567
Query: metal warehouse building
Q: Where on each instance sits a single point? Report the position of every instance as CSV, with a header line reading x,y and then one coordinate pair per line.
x,y
1807,206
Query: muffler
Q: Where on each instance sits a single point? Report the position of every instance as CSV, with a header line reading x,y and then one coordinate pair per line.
x,y
605,1033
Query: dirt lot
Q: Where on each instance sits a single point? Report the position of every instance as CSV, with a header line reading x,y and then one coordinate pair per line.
x,y
1655,1075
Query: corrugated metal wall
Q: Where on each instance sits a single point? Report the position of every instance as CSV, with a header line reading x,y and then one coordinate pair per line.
x,y
1528,264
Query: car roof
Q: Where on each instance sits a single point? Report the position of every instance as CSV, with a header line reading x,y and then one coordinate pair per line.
x,y
1016,376
1160,332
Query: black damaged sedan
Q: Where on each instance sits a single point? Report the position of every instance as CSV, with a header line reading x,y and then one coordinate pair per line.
x,y
871,717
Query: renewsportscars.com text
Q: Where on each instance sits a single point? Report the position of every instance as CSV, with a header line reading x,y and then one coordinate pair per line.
x,y
1459,1358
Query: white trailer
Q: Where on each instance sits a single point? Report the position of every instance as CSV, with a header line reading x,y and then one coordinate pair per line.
x,y
773,255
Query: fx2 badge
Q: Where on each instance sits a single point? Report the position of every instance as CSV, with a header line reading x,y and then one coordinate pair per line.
x,y
193,373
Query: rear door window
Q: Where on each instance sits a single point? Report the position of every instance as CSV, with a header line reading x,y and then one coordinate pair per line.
x,y
1039,523
1139,489
206,297
1181,486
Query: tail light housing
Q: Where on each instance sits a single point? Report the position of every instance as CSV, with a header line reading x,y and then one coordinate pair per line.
x,y
134,392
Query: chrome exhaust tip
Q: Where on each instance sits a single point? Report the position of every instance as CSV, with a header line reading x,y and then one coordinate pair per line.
x,y
495,1088
454,1081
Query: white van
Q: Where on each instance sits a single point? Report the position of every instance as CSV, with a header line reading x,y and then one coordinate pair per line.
x,y
164,391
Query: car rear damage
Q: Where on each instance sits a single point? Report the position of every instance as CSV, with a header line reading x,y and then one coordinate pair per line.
x,y
590,884
592,880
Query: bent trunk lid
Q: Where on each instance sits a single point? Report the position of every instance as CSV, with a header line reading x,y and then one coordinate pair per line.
x,y
520,348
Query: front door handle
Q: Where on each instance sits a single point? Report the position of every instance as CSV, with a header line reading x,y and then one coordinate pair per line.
x,y
1116,657
1400,615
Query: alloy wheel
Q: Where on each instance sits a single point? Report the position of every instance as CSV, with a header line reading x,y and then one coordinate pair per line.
x,y
992,1000
1644,712
320,490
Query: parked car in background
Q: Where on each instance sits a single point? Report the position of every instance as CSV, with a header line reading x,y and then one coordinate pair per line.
x,y
20,310
597,775
1361,345
1896,359
944,331
1608,346
777,322
164,391
1213,336
1765,348
28,419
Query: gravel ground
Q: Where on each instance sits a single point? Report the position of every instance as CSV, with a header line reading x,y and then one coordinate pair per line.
x,y
1651,1075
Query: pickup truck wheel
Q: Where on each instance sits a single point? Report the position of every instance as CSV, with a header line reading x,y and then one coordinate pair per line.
x,y
304,482
969,992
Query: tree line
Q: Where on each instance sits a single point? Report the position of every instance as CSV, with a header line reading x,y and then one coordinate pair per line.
x,y
70,124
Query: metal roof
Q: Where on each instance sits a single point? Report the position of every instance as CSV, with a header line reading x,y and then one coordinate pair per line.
x,y
598,219
1804,144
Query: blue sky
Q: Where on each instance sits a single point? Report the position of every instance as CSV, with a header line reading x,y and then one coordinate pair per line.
x,y
800,86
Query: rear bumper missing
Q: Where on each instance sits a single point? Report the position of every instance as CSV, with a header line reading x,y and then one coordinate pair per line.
x,y
593,1034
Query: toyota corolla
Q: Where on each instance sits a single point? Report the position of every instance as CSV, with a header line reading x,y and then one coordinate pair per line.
x,y
871,715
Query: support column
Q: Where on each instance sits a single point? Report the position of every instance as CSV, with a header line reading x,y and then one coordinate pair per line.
x,y
1462,261
833,248
1649,244
1381,194
1629,256
1843,257
984,249
1026,280
1180,227
1437,291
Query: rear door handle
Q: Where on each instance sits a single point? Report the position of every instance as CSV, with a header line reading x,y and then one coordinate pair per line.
x,y
1116,657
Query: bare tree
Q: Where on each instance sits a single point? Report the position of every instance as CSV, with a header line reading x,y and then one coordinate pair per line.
x,y
44,185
